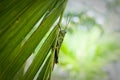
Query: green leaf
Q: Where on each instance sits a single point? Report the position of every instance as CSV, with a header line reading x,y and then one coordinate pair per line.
x,y
45,73
21,27
24,24
41,56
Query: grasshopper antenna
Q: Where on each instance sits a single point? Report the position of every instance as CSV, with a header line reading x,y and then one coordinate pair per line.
x,y
67,22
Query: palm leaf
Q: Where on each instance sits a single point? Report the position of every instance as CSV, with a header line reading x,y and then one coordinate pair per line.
x,y
24,24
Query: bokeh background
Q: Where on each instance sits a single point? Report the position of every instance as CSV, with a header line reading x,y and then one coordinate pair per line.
x,y
91,48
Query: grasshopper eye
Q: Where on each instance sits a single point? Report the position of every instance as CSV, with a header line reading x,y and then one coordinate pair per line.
x,y
63,32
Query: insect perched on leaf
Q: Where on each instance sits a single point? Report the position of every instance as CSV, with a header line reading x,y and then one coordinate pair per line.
x,y
60,38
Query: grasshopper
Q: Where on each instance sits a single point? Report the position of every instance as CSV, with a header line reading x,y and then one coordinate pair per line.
x,y
60,38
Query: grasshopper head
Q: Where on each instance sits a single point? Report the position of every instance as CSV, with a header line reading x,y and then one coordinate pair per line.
x,y
63,31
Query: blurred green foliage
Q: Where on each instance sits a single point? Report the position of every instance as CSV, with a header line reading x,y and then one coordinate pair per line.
x,y
87,48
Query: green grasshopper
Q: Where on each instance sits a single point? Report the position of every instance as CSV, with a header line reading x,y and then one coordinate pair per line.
x,y
60,38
